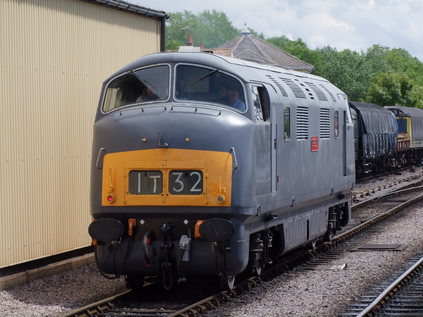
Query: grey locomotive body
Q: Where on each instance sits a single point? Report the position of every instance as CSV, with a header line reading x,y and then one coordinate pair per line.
x,y
219,165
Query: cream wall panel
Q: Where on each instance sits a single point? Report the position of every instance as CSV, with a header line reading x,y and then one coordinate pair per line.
x,y
54,56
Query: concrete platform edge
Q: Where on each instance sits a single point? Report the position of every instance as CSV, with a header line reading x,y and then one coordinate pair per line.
x,y
12,280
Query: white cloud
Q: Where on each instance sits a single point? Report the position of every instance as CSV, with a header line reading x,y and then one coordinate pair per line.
x,y
354,24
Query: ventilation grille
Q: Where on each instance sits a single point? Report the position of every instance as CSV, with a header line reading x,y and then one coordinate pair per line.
x,y
302,123
330,94
283,91
308,91
317,91
324,123
294,87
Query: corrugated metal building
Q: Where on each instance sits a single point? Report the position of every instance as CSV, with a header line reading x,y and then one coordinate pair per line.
x,y
54,55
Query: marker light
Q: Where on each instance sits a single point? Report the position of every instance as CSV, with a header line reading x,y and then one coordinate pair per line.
x,y
110,198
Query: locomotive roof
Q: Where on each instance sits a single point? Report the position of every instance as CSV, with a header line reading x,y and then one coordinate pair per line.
x,y
407,111
375,118
242,68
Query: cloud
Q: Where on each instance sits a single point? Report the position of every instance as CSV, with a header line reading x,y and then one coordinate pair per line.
x,y
354,24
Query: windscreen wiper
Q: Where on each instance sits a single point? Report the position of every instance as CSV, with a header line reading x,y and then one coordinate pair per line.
x,y
204,77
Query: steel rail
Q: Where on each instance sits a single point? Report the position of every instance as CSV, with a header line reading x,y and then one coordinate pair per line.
x,y
387,195
213,301
391,290
414,179
376,219
97,307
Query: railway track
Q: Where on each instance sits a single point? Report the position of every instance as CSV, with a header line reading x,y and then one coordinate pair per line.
x,y
395,184
123,304
402,297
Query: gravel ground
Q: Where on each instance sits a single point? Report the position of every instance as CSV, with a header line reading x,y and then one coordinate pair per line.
x,y
58,294
328,290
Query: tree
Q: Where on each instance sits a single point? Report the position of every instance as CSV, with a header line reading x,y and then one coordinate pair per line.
x,y
299,49
392,89
417,96
178,27
347,70
375,59
208,28
380,74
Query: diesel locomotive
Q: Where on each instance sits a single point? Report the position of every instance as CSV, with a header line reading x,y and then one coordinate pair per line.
x,y
207,165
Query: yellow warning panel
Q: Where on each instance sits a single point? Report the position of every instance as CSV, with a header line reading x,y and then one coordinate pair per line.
x,y
167,177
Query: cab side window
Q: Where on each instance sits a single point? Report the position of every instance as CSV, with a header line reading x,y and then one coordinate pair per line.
x,y
258,110
260,103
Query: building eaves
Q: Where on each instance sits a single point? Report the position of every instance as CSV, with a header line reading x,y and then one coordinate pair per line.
x,y
129,7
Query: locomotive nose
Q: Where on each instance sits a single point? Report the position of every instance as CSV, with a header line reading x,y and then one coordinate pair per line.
x,y
173,126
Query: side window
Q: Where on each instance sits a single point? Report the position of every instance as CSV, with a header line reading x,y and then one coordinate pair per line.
x,y
336,124
287,123
258,107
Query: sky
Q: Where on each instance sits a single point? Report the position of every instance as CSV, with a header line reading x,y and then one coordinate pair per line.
x,y
352,24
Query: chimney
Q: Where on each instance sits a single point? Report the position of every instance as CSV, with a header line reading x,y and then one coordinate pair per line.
x,y
245,31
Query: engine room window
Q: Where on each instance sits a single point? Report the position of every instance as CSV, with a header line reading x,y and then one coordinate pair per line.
x,y
144,85
287,123
336,124
208,85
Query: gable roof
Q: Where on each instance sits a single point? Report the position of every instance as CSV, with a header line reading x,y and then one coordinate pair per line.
x,y
248,47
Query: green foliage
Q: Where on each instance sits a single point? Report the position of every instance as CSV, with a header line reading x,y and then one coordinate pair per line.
x,y
208,28
390,89
417,96
347,70
300,50
177,27
381,75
